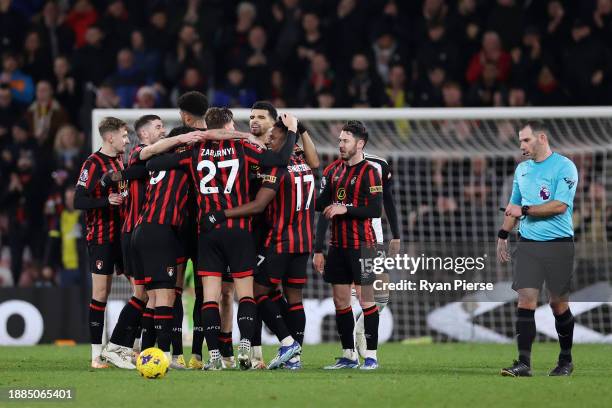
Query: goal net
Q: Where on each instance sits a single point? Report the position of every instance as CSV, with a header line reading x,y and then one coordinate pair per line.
x,y
452,171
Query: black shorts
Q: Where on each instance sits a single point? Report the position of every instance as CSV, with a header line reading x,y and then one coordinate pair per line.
x,y
288,268
156,249
226,247
538,262
188,237
104,258
345,266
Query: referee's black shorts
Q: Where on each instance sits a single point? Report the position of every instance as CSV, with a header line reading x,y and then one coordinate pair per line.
x,y
345,266
538,262
156,249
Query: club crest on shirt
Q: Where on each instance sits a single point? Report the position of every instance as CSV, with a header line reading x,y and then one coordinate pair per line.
x,y
544,193
341,193
84,176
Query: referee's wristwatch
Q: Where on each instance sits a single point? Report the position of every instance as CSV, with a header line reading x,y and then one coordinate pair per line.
x,y
524,210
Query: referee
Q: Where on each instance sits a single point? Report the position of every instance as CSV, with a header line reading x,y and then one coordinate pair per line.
x,y
542,199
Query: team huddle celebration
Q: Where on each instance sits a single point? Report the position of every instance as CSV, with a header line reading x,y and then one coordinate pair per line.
x,y
242,207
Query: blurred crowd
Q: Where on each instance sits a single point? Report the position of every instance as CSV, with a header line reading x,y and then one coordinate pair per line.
x,y
63,58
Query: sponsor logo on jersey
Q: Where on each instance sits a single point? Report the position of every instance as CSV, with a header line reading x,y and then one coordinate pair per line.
x,y
341,193
376,189
570,183
268,178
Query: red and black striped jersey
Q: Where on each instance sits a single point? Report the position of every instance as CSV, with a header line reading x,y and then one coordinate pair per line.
x,y
137,191
166,197
353,186
103,224
220,171
290,216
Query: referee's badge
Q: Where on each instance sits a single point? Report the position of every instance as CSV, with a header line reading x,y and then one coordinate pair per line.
x,y
544,193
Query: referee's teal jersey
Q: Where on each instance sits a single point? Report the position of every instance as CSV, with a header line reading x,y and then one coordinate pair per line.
x,y
536,183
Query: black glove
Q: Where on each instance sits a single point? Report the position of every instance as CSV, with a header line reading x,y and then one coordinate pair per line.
x,y
209,220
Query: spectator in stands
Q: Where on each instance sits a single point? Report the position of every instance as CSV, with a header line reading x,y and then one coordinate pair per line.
x,y
364,88
558,28
56,37
67,89
468,29
514,96
547,90
156,32
386,53
325,99
12,27
93,62
320,79
65,247
433,11
81,17
438,50
68,155
312,41
24,196
106,97
492,53
9,114
286,29
257,60
587,67
192,81
36,62
21,84
146,98
116,25
452,95
147,60
235,94
45,115
507,19
188,52
277,90
127,79
428,90
347,34
397,92
233,39
602,21
528,59
482,92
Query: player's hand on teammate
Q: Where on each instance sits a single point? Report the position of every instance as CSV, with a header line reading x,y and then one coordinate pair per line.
x,y
254,140
290,121
318,261
111,177
503,255
210,219
192,137
513,210
333,210
115,199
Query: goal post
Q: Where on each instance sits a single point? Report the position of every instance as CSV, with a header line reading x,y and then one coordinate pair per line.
x,y
452,170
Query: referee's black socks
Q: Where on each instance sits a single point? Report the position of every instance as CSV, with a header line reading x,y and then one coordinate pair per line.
x,y
564,323
525,334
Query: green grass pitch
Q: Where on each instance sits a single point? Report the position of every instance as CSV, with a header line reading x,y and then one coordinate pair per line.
x,y
432,375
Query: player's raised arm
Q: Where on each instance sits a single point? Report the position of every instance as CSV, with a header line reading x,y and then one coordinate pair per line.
x,y
169,143
270,158
310,151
